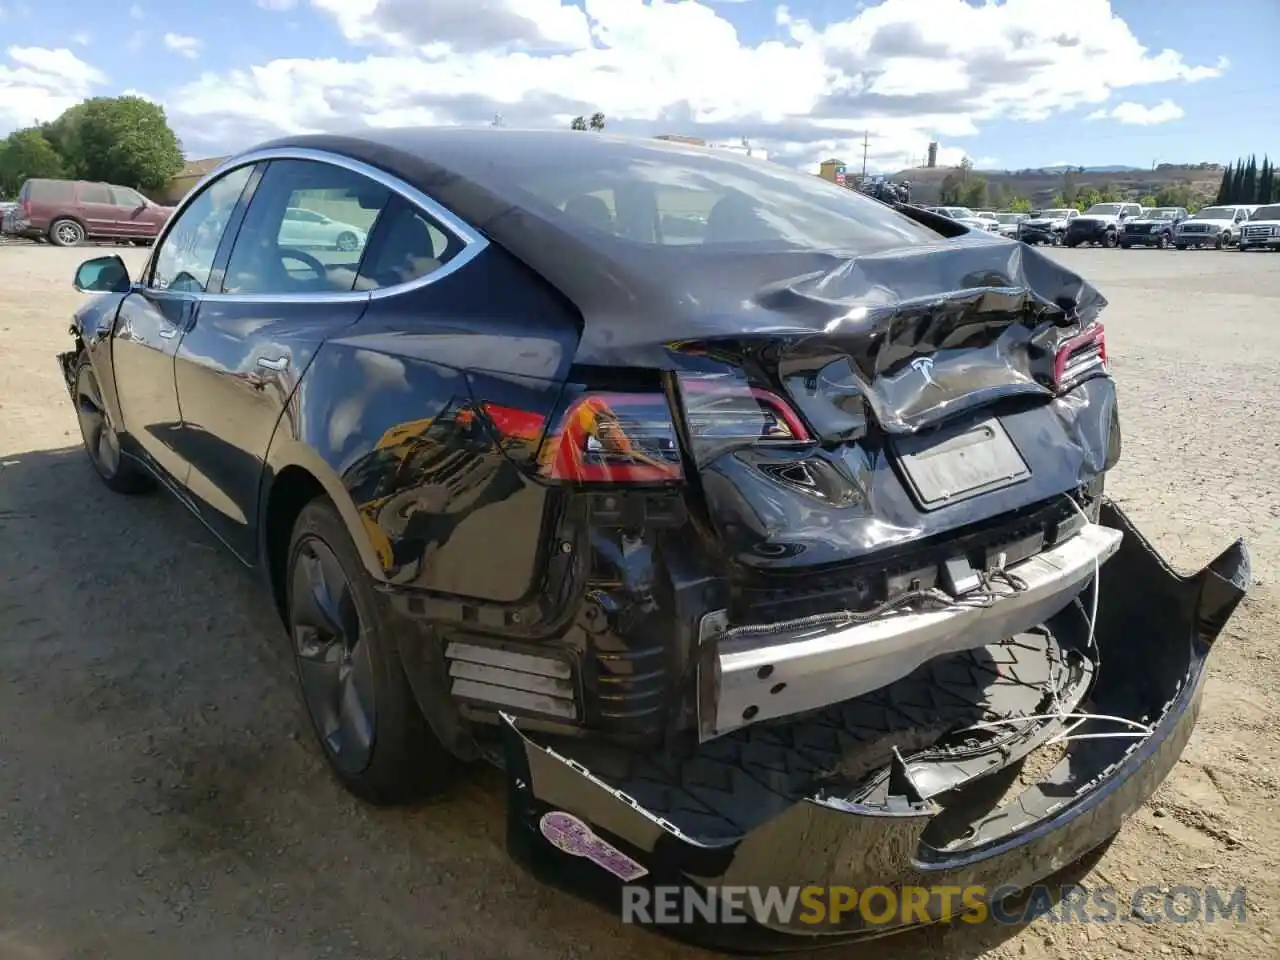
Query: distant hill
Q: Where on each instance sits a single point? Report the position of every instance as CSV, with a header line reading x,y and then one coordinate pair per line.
x,y
1039,186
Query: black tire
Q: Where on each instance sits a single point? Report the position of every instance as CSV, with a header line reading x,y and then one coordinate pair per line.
x,y
1126,246
1243,247
1109,240
1180,246
66,233
1072,243
347,241
1162,242
1219,242
101,441
370,729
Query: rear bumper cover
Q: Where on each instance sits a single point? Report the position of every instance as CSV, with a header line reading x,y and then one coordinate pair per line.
x,y
1155,630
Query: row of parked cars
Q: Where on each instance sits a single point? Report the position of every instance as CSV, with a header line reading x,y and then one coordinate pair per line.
x,y
1243,226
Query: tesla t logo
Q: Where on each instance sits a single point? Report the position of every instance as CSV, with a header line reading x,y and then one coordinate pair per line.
x,y
924,366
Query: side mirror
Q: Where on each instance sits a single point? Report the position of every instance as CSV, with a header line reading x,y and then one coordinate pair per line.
x,y
103,275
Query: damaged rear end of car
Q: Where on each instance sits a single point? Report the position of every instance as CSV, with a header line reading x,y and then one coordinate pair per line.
x,y
830,591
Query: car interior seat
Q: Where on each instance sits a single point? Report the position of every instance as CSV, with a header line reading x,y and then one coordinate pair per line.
x,y
734,219
590,211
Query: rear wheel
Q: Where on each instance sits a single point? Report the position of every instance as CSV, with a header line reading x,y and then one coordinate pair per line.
x,y
353,684
101,442
66,233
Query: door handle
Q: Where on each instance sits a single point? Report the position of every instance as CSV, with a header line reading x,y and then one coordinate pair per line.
x,y
168,334
279,363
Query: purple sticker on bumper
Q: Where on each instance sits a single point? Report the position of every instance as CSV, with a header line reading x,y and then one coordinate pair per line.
x,y
570,835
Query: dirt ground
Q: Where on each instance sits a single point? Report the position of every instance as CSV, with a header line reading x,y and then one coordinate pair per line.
x,y
160,795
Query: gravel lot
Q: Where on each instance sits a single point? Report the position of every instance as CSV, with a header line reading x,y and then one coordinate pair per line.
x,y
160,795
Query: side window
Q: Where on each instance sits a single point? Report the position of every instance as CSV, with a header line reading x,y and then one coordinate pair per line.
x,y
95,193
409,246
124,197
1242,215
284,248
185,258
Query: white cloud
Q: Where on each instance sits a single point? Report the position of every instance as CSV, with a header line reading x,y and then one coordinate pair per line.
x,y
82,38
904,71
1136,114
183,45
277,4
38,83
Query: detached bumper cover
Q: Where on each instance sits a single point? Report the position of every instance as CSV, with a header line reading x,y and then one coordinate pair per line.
x,y
1154,632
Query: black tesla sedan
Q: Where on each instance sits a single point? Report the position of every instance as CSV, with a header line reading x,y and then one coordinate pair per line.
x,y
752,526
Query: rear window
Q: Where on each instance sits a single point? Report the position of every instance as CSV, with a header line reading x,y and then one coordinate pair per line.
x,y
49,191
658,196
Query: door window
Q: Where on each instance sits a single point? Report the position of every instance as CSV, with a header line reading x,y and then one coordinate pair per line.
x,y
185,258
94,193
410,245
305,231
124,197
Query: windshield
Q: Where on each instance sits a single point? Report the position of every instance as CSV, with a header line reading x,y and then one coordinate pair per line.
x,y
1161,213
1267,213
1214,213
958,212
1105,209
1010,217
662,195
1054,214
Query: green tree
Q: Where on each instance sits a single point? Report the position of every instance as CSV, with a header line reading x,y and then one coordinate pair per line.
x,y
25,154
578,123
974,192
1020,205
1249,189
1152,201
124,140
950,189
1174,195
1224,188
1266,178
1237,184
596,122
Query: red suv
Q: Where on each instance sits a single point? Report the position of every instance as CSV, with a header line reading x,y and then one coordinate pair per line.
x,y
71,211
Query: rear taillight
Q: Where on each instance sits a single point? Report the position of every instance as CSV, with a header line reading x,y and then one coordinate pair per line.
x,y
723,412
630,437
613,438
1082,356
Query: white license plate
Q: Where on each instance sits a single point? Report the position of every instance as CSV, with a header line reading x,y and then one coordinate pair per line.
x,y
953,466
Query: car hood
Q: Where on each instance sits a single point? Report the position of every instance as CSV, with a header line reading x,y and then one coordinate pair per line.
x,y
1213,223
1263,223
1043,222
1147,222
1095,218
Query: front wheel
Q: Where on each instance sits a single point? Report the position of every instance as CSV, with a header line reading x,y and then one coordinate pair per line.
x,y
1243,247
101,441
1162,242
1220,241
1109,240
362,709
66,233
1126,246
1180,246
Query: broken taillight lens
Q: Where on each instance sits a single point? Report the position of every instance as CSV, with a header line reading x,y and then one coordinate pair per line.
x,y
1081,356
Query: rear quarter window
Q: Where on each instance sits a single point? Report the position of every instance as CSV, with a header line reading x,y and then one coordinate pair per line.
x,y
49,191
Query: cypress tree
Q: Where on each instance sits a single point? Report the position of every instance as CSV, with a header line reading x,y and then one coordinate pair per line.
x,y
1250,189
1237,184
1266,181
1224,188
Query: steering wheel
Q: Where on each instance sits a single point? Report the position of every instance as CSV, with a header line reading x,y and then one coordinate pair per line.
x,y
293,253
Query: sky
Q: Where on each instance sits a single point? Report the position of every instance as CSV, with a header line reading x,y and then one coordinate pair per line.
x,y
1007,83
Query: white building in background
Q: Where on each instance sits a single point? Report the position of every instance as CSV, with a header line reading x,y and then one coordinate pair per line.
x,y
741,146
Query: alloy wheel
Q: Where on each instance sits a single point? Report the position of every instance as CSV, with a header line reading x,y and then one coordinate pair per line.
x,y
69,234
100,440
334,667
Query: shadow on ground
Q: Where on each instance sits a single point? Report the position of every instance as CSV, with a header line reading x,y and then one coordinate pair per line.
x,y
161,795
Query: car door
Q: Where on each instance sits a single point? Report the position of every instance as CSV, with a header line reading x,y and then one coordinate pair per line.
x,y
130,212
238,364
152,319
97,209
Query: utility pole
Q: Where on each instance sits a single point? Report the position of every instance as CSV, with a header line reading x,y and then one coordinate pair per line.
x,y
866,137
